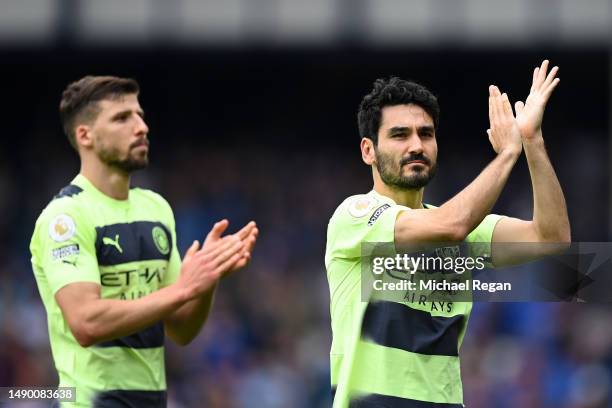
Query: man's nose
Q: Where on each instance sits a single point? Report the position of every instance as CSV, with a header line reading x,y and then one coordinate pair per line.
x,y
415,146
141,127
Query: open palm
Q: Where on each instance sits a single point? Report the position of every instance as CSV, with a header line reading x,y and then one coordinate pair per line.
x,y
529,115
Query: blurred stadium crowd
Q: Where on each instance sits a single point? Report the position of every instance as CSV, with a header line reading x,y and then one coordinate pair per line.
x,y
272,137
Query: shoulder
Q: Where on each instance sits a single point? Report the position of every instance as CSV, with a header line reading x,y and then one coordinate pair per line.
x,y
60,218
358,219
143,194
70,201
152,200
356,206
360,210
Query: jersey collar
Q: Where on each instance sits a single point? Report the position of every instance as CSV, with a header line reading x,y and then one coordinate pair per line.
x,y
389,199
82,181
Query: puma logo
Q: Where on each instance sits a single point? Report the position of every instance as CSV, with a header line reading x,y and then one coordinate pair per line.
x,y
115,242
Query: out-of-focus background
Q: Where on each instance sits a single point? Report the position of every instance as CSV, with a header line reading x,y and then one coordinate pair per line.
x,y
252,110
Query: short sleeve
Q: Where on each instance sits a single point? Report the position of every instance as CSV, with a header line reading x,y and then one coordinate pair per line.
x,y
63,246
480,238
360,219
174,263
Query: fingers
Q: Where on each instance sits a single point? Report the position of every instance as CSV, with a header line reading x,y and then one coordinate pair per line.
x,y
233,251
548,91
230,243
493,104
247,250
227,264
542,80
250,243
496,110
191,250
246,230
491,113
216,231
503,131
242,262
214,240
550,77
505,106
550,83
544,83
499,105
543,71
540,75
518,107
228,257
218,250
493,116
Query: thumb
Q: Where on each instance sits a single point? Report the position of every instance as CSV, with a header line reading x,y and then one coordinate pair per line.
x,y
518,107
191,250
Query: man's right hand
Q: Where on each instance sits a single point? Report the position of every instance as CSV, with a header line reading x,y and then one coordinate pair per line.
x,y
504,133
204,266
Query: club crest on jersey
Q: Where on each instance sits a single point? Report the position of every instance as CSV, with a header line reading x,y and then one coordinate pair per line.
x,y
62,228
361,206
161,240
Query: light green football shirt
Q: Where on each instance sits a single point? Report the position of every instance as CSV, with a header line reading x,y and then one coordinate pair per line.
x,y
389,353
128,247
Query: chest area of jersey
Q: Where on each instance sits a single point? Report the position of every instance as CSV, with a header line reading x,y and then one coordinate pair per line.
x,y
133,257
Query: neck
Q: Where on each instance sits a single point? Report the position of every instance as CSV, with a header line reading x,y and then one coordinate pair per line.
x,y
111,181
408,198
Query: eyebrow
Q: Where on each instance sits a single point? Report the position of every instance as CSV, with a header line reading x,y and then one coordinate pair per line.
x,y
426,129
140,113
398,129
404,129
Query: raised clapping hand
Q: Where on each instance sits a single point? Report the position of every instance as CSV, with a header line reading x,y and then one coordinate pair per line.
x,y
504,133
248,235
529,114
204,266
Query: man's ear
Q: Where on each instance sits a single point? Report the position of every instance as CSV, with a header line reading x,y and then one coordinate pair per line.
x,y
83,136
368,155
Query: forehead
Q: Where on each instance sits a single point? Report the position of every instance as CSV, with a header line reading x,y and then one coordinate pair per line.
x,y
409,115
118,103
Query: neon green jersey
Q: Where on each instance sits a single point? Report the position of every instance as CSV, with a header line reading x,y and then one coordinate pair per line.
x,y
127,247
392,354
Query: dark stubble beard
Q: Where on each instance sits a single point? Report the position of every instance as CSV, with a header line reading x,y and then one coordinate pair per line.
x,y
392,175
112,158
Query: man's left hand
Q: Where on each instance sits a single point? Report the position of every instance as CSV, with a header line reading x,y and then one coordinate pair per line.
x,y
529,115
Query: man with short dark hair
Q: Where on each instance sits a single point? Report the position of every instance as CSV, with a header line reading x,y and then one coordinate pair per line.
x,y
105,258
405,353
